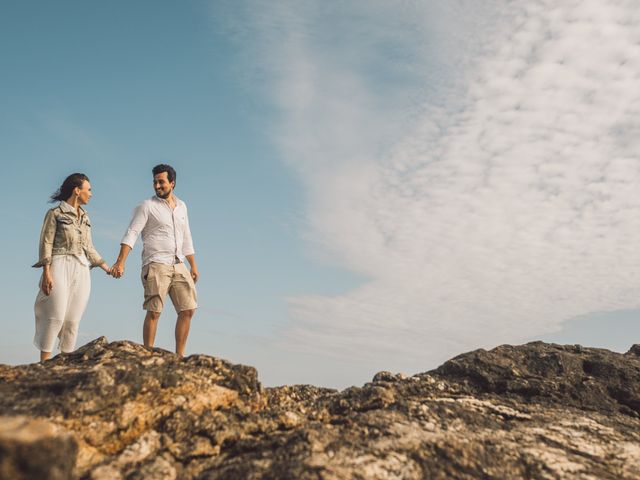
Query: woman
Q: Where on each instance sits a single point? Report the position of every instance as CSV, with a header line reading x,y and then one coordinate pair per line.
x,y
66,254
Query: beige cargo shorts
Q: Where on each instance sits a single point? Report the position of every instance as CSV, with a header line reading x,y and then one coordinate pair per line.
x,y
158,279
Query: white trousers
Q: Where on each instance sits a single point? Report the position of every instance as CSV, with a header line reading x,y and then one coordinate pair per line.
x,y
58,314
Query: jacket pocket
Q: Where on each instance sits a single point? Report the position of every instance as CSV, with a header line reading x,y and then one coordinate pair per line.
x,y
65,234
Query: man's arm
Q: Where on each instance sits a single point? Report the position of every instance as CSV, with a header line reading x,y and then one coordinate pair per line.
x,y
117,270
138,221
187,249
194,268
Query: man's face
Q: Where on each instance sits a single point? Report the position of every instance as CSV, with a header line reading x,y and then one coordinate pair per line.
x,y
162,186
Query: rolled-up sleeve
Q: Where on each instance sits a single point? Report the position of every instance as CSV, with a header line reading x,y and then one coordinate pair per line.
x,y
138,221
187,243
47,235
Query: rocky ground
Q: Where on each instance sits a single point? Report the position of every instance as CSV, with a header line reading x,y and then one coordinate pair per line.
x,y
117,410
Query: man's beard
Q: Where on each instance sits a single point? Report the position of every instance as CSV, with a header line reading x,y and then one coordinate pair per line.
x,y
163,196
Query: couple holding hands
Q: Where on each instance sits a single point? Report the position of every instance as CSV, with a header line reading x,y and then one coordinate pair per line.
x,y
67,254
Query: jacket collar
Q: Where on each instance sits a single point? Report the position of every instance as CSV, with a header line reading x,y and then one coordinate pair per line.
x,y
66,208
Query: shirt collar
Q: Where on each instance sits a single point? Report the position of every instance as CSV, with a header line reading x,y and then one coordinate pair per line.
x,y
162,200
66,208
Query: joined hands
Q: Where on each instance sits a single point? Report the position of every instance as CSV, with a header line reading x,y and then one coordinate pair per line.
x,y
117,270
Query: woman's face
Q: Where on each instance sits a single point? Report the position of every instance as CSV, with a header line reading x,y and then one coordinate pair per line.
x,y
84,193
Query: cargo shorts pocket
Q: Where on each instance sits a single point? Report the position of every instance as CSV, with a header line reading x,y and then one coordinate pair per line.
x,y
155,283
185,274
145,274
150,277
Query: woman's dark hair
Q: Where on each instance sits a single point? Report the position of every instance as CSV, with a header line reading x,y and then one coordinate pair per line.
x,y
171,173
72,181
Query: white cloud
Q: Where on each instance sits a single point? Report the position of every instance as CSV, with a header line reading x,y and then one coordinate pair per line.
x,y
478,164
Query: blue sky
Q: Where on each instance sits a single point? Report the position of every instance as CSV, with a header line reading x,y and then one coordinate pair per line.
x,y
371,185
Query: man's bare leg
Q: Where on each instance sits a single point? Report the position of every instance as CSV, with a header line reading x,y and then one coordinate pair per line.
x,y
44,356
182,330
150,327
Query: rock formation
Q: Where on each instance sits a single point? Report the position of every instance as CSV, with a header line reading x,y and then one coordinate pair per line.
x,y
121,411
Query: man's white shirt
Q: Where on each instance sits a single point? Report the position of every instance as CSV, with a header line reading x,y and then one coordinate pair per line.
x,y
165,231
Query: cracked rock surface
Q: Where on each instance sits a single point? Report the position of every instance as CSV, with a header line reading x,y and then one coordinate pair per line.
x,y
121,411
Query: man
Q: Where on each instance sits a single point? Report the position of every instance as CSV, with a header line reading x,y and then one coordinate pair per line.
x,y
164,225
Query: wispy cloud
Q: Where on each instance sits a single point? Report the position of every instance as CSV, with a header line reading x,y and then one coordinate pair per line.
x,y
478,165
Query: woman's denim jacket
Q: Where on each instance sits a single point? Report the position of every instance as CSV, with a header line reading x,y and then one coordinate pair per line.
x,y
63,233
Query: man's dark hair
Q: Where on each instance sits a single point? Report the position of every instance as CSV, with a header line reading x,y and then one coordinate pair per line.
x,y
66,189
171,173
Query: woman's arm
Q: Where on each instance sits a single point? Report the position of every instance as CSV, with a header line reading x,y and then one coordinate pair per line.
x,y
95,259
47,236
46,284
